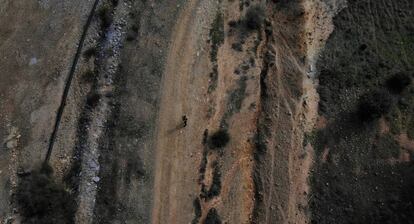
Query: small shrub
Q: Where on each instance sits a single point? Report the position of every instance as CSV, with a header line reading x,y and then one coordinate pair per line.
x,y
115,2
215,187
93,100
133,33
233,23
374,104
237,46
90,52
135,28
88,76
212,217
254,17
398,82
105,15
205,136
130,37
219,139
197,211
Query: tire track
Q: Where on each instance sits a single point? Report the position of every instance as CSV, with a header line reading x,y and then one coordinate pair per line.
x,y
69,82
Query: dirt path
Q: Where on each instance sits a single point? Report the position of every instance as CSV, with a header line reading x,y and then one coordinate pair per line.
x,y
171,140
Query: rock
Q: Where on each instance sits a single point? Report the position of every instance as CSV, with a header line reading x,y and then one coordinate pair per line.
x,y
96,179
11,144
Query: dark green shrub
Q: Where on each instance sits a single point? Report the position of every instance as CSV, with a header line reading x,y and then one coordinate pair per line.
x,y
254,18
374,104
398,82
219,139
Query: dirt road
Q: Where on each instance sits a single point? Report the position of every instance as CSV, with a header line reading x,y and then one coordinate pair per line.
x,y
176,169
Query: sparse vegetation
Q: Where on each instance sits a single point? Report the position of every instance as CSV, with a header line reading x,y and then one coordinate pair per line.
x,y
219,139
217,39
374,104
42,200
254,17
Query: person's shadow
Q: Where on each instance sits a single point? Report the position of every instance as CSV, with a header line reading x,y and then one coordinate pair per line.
x,y
182,125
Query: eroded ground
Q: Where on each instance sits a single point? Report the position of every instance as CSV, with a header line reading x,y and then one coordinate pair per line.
x,y
231,111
